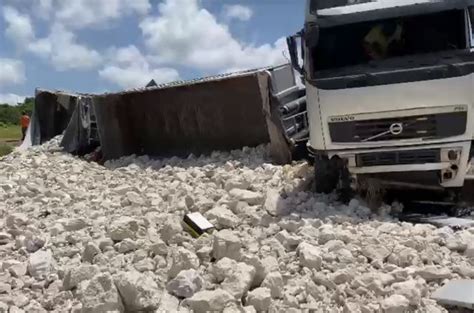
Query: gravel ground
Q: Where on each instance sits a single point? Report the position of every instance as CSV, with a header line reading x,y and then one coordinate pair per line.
x,y
80,237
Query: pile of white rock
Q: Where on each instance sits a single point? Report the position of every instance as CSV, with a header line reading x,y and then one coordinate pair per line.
x,y
80,237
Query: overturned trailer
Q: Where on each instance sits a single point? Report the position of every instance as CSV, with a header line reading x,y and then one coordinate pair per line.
x,y
222,112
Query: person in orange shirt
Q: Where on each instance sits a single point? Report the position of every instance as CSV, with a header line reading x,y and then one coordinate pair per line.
x,y
24,122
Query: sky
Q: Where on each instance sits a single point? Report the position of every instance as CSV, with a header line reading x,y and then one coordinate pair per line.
x,y
97,46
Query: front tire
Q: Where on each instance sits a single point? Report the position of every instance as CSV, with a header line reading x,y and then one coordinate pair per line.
x,y
326,174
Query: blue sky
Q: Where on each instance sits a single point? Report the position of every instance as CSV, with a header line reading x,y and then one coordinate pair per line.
x,y
108,45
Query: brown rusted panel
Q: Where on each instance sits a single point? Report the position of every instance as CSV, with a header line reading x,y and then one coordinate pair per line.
x,y
199,118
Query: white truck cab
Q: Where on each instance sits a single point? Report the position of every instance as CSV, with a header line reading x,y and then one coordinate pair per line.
x,y
403,113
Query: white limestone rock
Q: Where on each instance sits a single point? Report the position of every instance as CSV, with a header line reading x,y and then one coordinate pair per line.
x,y
260,299
122,228
185,284
310,256
15,268
250,197
5,288
17,220
432,273
375,252
126,245
5,238
274,282
209,301
289,241
411,289
395,304
274,204
224,217
76,275
99,295
73,224
182,259
139,292
158,247
222,268
239,280
172,230
104,243
469,252
40,264
90,251
226,244
236,184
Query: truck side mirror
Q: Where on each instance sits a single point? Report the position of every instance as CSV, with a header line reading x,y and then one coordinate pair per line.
x,y
293,50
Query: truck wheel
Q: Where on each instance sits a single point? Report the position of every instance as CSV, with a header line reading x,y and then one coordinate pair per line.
x,y
345,191
326,174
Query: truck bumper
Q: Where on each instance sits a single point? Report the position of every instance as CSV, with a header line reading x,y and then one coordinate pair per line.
x,y
450,160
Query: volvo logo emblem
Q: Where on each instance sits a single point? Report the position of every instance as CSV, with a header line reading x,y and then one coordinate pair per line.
x,y
396,129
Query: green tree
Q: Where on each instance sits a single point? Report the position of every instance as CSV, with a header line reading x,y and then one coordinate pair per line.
x,y
10,115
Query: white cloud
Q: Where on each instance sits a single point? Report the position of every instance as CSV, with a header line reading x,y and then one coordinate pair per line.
x,y
11,72
62,50
238,12
11,98
60,47
19,28
82,13
183,33
85,13
128,68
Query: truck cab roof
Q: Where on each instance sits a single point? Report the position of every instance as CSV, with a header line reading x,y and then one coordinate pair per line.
x,y
334,13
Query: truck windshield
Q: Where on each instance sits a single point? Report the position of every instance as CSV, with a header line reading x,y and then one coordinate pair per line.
x,y
361,43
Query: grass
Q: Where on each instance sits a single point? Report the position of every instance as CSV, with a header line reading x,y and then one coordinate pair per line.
x,y
10,132
9,137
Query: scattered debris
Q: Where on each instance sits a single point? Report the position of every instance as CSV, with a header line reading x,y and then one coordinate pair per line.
x,y
197,224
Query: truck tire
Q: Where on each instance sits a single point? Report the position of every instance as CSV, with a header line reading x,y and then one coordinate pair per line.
x,y
326,174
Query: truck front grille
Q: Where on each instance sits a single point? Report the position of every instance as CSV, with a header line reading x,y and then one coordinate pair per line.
x,y
398,157
429,126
